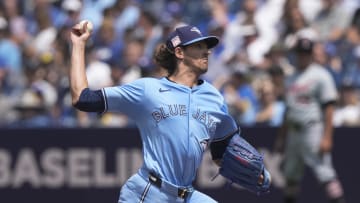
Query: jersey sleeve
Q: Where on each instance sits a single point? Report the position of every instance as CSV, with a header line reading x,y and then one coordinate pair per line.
x,y
125,99
327,90
226,127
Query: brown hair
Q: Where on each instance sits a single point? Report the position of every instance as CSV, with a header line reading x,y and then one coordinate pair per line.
x,y
165,59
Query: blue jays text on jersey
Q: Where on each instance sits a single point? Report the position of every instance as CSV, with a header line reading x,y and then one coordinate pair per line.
x,y
181,110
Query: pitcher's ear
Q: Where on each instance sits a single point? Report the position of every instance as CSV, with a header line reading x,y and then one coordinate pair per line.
x,y
179,52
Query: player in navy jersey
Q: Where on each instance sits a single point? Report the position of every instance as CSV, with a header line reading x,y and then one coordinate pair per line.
x,y
177,116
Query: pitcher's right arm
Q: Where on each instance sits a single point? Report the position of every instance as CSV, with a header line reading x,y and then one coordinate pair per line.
x,y
77,74
83,98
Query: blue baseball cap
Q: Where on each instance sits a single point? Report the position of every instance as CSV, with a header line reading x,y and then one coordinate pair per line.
x,y
187,35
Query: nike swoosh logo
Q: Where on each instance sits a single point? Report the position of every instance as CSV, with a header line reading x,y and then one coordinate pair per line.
x,y
164,90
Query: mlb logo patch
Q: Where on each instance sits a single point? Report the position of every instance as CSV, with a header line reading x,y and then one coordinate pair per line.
x,y
175,41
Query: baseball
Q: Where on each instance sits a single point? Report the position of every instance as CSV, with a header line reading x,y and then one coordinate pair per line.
x,y
89,25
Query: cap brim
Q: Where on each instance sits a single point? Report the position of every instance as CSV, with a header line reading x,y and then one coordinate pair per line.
x,y
211,41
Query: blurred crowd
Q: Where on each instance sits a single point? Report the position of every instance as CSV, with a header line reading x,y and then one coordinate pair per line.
x,y
249,66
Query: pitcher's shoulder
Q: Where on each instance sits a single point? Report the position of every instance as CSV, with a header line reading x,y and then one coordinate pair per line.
x,y
210,88
147,81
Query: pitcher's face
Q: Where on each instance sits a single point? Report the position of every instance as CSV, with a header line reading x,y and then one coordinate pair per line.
x,y
196,56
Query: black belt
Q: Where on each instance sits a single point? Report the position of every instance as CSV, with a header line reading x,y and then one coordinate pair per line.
x,y
181,192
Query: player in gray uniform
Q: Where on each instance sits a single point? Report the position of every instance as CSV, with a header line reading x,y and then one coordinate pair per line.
x,y
177,115
310,98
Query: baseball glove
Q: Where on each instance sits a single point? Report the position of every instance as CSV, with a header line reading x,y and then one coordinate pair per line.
x,y
242,164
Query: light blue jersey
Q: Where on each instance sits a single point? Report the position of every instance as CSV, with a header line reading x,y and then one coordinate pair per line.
x,y
175,123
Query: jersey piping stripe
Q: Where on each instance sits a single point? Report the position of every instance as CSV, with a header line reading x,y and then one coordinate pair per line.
x,y
145,192
105,100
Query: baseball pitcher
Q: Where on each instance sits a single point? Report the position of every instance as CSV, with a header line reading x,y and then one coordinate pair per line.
x,y
177,116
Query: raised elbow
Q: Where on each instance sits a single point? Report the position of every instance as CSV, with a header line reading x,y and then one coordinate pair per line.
x,y
75,98
75,101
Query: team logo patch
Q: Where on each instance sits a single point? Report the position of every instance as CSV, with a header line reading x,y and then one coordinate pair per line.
x,y
195,29
175,41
